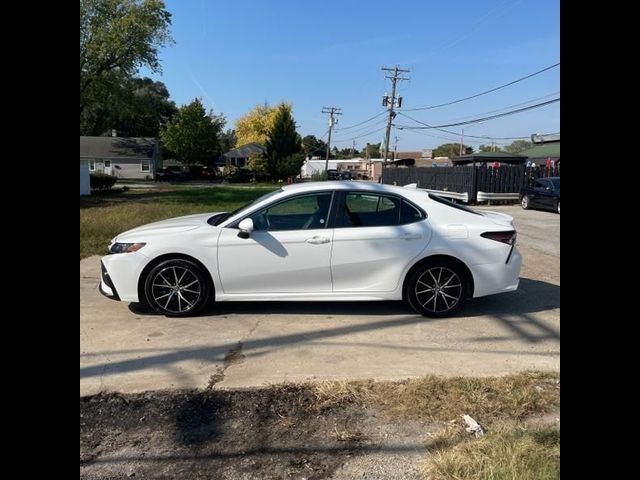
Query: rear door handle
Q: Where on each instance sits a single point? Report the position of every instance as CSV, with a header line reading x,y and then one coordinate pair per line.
x,y
317,240
411,236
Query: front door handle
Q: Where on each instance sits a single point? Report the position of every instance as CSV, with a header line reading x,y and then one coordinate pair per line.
x,y
317,240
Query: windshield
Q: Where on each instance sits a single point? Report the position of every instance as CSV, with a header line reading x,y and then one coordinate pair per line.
x,y
218,219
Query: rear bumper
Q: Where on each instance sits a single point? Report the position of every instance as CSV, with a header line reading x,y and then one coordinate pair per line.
x,y
495,278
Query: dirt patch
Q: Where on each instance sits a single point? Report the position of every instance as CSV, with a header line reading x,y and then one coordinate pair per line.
x,y
340,431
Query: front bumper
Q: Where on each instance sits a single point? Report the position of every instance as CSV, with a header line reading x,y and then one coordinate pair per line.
x,y
106,285
120,274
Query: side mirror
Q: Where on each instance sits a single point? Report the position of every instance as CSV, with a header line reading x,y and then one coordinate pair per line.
x,y
246,227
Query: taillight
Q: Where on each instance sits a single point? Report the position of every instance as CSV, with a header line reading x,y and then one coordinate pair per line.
x,y
508,237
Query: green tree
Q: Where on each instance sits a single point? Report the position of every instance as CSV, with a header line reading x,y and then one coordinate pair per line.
x,y
517,146
283,143
228,140
451,150
193,135
136,107
117,37
257,165
372,150
314,147
489,148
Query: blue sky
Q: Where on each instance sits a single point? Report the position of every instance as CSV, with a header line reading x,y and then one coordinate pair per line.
x,y
240,53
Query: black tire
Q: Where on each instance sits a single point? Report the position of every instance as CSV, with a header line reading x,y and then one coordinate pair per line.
x,y
558,207
182,283
449,281
526,202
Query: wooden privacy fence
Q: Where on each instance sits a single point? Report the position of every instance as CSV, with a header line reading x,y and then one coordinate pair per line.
x,y
506,179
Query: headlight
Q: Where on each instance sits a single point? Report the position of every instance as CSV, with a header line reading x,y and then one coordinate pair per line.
x,y
126,247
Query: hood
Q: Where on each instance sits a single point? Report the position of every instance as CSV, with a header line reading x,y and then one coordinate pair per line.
x,y
498,218
172,225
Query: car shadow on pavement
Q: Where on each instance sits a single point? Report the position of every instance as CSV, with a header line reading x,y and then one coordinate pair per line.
x,y
531,296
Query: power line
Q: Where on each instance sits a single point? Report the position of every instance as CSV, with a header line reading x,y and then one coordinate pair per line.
x,y
477,120
360,136
485,92
363,122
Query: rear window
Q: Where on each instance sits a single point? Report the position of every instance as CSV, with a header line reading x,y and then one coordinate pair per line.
x,y
451,204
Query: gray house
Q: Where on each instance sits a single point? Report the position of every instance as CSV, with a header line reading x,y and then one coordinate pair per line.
x,y
135,158
240,156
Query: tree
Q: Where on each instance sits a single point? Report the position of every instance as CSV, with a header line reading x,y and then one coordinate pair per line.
x,y
136,107
193,135
228,140
283,143
489,148
257,165
346,153
314,147
451,150
518,146
117,37
372,150
256,124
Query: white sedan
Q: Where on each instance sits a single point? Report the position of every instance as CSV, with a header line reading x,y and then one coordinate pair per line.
x,y
325,241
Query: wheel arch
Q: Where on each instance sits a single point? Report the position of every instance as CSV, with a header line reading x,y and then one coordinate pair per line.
x,y
432,258
172,256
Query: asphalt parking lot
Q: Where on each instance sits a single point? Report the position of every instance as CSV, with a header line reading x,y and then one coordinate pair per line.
x,y
251,344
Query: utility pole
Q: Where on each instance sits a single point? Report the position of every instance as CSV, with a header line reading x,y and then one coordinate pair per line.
x,y
461,141
391,102
331,111
353,148
395,147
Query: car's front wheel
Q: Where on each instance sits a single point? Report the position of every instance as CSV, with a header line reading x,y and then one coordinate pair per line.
x,y
526,204
436,289
177,288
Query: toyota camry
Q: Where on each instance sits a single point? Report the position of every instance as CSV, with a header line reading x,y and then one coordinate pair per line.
x,y
322,241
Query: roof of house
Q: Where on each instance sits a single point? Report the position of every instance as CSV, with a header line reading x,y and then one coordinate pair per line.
x,y
489,157
543,150
245,150
117,147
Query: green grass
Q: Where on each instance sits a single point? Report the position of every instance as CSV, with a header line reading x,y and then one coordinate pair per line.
x,y
103,216
515,453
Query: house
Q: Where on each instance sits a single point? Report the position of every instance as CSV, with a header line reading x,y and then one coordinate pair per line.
x,y
240,156
544,147
123,157
85,184
423,158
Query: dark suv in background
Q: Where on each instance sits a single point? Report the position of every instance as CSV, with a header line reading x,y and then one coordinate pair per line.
x,y
544,194
173,173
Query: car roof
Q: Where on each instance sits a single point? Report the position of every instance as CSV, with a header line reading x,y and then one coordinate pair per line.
x,y
344,185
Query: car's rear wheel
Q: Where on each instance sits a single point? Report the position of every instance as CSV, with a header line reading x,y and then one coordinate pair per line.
x,y
558,207
526,204
177,288
436,289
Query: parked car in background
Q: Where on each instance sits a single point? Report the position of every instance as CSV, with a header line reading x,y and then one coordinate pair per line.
x,y
172,173
208,173
333,174
543,194
318,241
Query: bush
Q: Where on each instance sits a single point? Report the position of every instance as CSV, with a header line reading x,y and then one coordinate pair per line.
x,y
101,181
